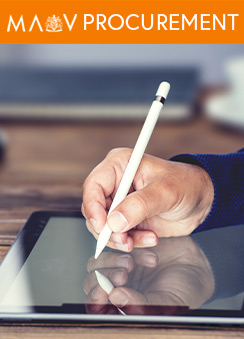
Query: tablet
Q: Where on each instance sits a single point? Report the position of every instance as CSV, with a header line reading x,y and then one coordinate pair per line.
x,y
50,275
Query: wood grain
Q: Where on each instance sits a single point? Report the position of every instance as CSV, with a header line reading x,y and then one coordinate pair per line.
x,y
3,252
46,165
75,332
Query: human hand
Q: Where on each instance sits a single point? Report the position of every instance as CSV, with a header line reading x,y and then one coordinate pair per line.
x,y
169,279
166,199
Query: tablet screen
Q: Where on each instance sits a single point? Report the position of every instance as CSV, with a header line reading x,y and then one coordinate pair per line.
x,y
51,269
53,272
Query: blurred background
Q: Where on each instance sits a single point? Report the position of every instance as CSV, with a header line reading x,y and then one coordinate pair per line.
x,y
114,82
63,107
209,59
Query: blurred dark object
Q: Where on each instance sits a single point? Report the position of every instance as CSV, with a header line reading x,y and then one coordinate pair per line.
x,y
114,94
3,145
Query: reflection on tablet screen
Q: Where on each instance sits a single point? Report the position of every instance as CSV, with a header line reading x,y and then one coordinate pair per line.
x,y
52,269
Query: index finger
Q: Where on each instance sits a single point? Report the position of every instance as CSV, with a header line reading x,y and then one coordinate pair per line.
x,y
98,186
111,260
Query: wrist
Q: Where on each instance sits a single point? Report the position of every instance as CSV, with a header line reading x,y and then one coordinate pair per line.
x,y
207,193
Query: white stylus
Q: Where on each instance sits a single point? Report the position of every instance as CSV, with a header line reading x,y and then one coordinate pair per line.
x,y
106,285
135,160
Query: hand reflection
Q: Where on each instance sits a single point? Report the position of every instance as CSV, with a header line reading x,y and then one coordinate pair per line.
x,y
175,274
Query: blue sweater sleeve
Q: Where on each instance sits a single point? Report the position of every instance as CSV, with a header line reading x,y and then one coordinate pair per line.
x,y
227,174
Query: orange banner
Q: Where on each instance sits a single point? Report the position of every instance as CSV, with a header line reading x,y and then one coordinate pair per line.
x,y
134,22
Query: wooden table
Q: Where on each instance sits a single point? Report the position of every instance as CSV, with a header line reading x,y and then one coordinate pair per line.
x,y
44,168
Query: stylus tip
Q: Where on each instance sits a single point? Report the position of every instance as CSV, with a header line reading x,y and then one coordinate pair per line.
x,y
98,275
98,252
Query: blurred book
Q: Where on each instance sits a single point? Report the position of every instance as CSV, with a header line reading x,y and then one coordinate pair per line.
x,y
91,94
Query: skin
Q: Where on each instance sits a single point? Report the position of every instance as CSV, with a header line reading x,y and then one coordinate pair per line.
x,y
171,278
166,199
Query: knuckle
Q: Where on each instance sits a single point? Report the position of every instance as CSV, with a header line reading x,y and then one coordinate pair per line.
x,y
170,192
141,204
88,183
83,210
85,184
119,151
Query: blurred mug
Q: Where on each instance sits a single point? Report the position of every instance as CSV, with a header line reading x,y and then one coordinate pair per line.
x,y
235,73
228,108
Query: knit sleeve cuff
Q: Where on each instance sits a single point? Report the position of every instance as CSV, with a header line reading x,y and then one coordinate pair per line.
x,y
226,173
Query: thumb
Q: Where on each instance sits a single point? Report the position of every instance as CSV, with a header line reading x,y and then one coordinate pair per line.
x,y
138,206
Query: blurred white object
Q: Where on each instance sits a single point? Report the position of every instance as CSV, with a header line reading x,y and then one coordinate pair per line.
x,y
228,108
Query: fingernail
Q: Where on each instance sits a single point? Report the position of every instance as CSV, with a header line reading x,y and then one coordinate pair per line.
x,y
117,277
117,221
119,298
124,261
149,240
117,237
94,224
122,247
149,259
95,294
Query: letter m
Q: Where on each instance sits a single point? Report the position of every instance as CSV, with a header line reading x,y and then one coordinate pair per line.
x,y
16,27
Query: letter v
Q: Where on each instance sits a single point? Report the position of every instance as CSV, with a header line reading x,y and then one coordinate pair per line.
x,y
67,21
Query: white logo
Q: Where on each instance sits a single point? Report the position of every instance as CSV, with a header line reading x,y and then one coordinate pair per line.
x,y
54,24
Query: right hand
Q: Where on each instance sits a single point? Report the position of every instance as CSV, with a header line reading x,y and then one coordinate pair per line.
x,y
166,199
